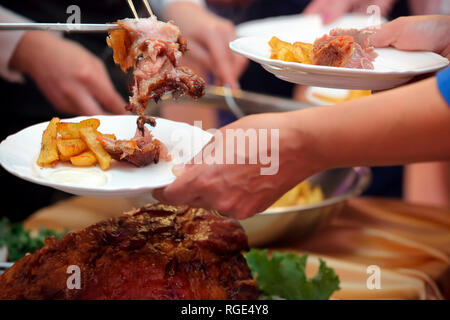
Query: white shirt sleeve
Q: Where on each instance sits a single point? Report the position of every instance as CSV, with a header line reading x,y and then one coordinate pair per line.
x,y
158,6
8,43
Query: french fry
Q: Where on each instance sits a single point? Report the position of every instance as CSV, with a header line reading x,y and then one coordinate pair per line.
x,y
70,147
288,199
303,193
316,195
89,135
297,52
302,52
63,158
280,49
91,122
49,151
86,159
275,43
70,130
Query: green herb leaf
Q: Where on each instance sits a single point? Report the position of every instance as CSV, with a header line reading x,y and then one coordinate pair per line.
x,y
20,241
283,275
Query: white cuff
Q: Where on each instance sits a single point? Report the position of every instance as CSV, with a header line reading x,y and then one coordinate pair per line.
x,y
8,43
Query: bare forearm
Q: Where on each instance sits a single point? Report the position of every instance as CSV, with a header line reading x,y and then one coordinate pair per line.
x,y
409,124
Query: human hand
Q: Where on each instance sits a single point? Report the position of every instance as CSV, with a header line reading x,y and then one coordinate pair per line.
x,y
331,10
69,76
426,33
208,36
240,190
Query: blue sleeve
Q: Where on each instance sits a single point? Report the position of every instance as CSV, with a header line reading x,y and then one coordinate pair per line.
x,y
443,81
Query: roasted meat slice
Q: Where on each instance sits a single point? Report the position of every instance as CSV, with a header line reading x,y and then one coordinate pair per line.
x,y
156,252
141,150
344,48
333,51
153,48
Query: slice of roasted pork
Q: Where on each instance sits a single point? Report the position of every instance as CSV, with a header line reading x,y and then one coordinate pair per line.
x,y
143,149
153,48
347,48
157,252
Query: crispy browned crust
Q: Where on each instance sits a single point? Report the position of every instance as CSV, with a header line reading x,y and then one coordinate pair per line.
x,y
185,83
156,252
120,40
128,150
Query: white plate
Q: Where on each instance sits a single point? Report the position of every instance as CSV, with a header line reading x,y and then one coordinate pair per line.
x,y
19,152
309,26
392,67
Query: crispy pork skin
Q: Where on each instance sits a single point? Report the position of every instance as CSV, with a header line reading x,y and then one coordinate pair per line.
x,y
153,49
347,48
156,252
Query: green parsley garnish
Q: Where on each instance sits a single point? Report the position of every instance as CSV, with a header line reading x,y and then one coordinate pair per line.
x,y
20,241
283,275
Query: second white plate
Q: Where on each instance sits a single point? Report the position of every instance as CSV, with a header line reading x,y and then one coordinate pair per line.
x,y
391,68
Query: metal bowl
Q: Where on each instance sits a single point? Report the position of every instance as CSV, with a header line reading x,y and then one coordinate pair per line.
x,y
296,223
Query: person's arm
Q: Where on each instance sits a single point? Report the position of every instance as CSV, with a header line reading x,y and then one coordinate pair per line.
x,y
409,124
405,125
8,43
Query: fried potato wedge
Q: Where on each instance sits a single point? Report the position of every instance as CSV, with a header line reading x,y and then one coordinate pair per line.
x,y
63,158
281,50
70,130
70,147
89,136
285,51
302,52
49,150
86,159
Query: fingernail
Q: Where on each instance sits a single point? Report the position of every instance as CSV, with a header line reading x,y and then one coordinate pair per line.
x,y
178,169
326,18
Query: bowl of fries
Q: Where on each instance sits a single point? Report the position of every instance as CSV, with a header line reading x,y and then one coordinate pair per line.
x,y
307,208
